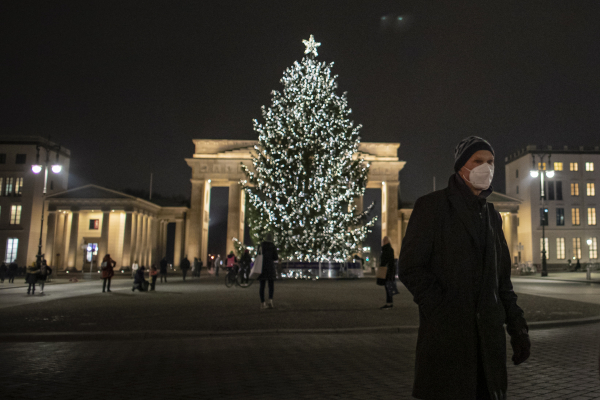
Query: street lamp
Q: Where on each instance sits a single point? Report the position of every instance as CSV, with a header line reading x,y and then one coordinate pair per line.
x,y
36,169
540,170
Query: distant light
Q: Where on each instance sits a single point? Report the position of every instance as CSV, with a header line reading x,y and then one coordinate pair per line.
x,y
56,168
384,18
589,242
534,173
550,174
121,271
209,181
36,168
98,271
399,18
67,272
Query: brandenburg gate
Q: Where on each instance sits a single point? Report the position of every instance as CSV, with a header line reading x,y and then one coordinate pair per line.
x,y
217,163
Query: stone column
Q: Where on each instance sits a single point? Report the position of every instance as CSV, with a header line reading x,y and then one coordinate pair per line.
x,y
513,245
197,241
392,215
144,240
359,202
126,259
235,216
150,242
134,236
50,232
384,209
59,253
72,256
178,243
103,245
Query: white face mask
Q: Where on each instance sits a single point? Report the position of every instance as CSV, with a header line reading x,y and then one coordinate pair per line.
x,y
481,176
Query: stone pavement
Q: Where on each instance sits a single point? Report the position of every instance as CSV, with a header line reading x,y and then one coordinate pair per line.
x,y
207,305
563,365
564,276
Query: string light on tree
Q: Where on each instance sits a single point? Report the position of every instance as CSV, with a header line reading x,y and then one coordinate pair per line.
x,y
307,171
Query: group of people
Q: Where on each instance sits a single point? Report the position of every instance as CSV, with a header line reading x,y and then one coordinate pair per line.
x,y
9,271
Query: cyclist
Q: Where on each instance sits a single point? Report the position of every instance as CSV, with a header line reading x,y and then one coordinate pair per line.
x,y
231,262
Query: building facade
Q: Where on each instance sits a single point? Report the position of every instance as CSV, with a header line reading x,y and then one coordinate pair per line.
x,y
22,192
568,207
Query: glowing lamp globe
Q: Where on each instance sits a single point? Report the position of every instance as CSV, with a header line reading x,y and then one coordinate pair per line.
x,y
550,174
534,173
36,169
56,168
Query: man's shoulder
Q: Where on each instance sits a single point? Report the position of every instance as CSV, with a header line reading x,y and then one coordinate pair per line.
x,y
432,198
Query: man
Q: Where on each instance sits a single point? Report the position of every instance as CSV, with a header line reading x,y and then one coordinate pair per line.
x,y
455,262
164,264
185,266
134,268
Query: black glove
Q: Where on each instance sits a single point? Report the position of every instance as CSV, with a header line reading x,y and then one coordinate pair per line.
x,y
521,347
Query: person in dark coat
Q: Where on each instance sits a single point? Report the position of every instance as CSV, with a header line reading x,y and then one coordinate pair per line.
x,y
197,267
31,278
164,264
153,276
45,271
577,266
12,271
456,263
387,260
185,266
3,271
139,282
245,262
268,274
108,271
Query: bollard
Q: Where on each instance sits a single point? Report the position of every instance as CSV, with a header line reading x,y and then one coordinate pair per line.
x,y
588,274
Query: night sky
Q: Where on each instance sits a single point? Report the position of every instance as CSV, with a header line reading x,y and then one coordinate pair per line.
x,y
126,85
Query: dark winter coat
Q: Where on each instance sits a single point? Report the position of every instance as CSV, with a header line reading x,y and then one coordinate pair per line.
x,y
269,252
185,264
459,276
387,260
108,270
246,260
163,266
139,277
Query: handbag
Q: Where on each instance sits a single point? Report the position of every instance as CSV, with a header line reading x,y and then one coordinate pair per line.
x,y
382,272
258,263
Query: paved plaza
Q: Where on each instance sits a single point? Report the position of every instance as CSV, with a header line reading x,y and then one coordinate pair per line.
x,y
324,340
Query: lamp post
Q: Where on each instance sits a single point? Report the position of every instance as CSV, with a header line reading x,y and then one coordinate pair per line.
x,y
540,170
36,169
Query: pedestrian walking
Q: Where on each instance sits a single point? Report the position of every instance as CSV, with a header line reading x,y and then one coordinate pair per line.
x,y
3,271
217,265
164,264
31,278
107,267
456,263
185,266
12,271
139,282
387,261
134,268
153,276
577,266
245,262
197,267
45,272
268,274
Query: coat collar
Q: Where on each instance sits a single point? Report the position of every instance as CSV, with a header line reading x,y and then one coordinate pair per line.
x,y
457,200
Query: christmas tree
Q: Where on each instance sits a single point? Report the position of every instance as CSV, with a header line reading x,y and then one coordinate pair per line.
x,y
306,168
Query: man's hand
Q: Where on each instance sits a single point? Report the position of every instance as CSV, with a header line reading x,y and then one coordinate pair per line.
x,y
521,347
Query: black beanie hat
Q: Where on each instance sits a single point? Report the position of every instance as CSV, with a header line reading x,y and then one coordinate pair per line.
x,y
467,147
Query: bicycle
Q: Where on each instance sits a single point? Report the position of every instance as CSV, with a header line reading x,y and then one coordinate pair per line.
x,y
238,276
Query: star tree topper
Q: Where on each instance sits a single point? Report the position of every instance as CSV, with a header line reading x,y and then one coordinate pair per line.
x,y
311,46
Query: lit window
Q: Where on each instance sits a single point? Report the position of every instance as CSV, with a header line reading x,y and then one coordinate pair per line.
x,y
594,248
577,248
560,248
591,189
12,245
575,216
15,215
592,216
589,166
573,166
542,242
558,166
9,186
18,186
94,224
541,166
575,189
1,182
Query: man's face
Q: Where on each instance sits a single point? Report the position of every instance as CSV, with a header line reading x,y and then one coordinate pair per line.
x,y
478,158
